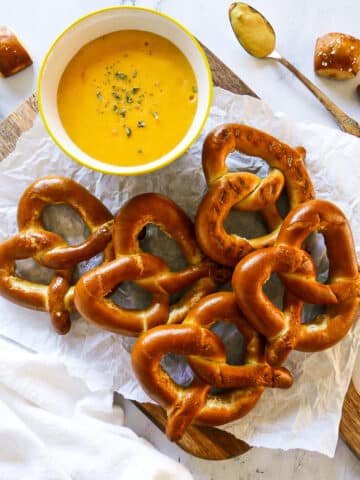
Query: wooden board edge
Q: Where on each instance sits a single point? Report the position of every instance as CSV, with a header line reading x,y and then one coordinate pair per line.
x,y
208,443
350,420
17,123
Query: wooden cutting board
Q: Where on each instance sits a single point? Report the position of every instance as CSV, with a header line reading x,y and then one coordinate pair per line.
x,y
204,442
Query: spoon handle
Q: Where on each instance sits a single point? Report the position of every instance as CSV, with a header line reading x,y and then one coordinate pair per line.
x,y
346,123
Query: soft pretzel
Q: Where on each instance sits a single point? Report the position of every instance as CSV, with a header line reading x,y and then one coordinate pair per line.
x,y
150,272
341,294
194,404
50,249
342,291
337,55
13,56
54,190
152,208
246,191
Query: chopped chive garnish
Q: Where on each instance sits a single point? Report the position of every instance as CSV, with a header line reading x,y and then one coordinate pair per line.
x,y
155,115
115,108
128,98
123,112
135,89
128,132
120,76
141,124
194,89
98,94
116,95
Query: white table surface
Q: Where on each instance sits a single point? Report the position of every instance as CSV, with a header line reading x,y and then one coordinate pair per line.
x,y
297,24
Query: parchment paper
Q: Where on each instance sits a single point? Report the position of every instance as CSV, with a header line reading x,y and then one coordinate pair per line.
x,y
305,416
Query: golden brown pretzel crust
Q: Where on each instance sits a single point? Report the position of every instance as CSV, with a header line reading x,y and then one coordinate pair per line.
x,y
337,55
341,294
13,56
50,249
206,355
202,275
246,191
53,190
148,271
57,298
93,287
342,291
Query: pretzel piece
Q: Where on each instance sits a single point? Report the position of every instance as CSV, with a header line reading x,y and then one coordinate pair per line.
x,y
13,55
194,404
246,191
337,55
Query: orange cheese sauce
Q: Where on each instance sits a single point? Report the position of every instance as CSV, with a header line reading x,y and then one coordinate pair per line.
x,y
127,98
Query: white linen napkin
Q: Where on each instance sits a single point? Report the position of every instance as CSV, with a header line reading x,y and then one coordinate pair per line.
x,y
53,428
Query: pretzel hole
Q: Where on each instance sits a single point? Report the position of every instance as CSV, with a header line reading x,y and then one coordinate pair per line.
x,y
29,269
283,203
274,289
310,311
86,265
158,243
66,222
128,294
240,162
315,245
245,224
233,341
177,367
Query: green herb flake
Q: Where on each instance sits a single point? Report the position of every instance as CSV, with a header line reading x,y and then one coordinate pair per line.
x,y
98,94
141,124
123,112
116,108
155,115
135,89
120,76
129,98
128,131
194,89
116,95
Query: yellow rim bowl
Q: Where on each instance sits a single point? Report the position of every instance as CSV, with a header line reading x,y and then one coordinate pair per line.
x,y
97,24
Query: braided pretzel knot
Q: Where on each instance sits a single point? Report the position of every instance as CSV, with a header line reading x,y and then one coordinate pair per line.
x,y
283,329
207,357
246,191
149,271
50,249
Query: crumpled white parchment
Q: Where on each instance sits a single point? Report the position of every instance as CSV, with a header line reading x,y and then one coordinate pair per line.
x,y
305,416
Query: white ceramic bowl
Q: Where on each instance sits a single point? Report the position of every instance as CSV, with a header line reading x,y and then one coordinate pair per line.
x,y
101,23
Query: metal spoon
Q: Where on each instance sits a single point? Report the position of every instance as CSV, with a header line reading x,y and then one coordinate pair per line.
x,y
258,38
